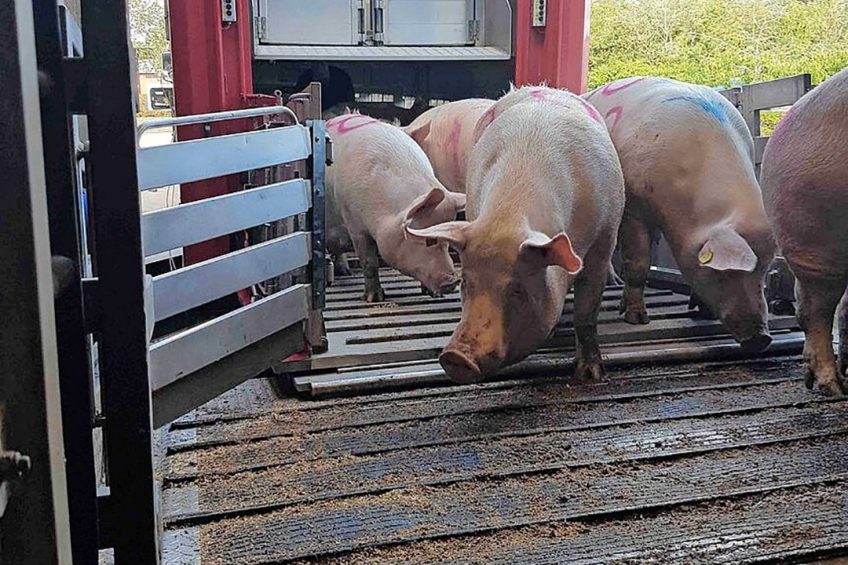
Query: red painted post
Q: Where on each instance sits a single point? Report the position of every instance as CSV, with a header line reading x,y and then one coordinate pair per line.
x,y
213,71
558,53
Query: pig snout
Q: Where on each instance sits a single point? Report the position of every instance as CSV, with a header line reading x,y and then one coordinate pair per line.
x,y
460,367
471,355
441,285
752,337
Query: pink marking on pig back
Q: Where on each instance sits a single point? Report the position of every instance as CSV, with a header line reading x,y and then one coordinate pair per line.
x,y
453,140
592,111
615,114
340,124
619,85
537,94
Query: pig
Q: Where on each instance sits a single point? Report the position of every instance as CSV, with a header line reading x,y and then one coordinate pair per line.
x,y
805,181
445,133
687,158
380,179
545,198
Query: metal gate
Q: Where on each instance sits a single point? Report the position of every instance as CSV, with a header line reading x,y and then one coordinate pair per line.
x,y
144,382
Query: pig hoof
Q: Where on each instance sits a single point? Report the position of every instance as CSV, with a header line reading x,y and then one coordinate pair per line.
x,y
589,370
639,317
374,295
828,385
427,292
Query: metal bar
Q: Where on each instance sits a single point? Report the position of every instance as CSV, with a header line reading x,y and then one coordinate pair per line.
x,y
775,93
64,213
318,213
123,340
202,220
212,157
188,351
215,117
35,526
198,284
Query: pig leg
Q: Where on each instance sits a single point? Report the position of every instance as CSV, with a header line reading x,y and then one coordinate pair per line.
x,y
634,236
588,293
843,335
817,301
341,266
366,250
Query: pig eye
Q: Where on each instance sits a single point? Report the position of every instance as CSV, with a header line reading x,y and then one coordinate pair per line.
x,y
431,242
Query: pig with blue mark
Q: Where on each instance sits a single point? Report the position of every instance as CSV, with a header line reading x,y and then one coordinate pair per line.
x,y
687,158
805,181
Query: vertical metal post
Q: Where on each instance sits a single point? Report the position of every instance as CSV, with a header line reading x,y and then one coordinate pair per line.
x,y
123,332
34,529
63,199
558,52
213,71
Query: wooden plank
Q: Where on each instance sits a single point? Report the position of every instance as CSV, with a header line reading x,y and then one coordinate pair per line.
x,y
184,353
543,392
210,157
474,506
184,289
194,222
261,453
749,529
406,468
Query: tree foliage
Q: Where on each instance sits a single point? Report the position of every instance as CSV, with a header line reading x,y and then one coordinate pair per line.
x,y
717,42
147,31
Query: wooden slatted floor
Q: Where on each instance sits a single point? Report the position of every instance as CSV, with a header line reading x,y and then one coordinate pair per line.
x,y
702,461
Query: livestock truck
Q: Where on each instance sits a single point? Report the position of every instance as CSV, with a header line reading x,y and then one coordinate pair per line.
x,y
129,438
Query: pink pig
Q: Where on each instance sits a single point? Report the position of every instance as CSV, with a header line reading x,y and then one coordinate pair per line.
x,y
381,181
445,133
687,158
545,198
805,181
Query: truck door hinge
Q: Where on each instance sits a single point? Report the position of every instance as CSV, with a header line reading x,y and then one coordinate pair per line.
x,y
261,25
473,31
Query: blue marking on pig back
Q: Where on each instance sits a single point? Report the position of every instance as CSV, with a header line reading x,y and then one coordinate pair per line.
x,y
712,107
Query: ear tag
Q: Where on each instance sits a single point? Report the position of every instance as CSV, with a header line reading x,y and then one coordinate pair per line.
x,y
706,256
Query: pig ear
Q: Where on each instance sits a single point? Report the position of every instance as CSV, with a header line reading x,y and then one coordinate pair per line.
x,y
726,250
418,133
553,251
426,202
453,233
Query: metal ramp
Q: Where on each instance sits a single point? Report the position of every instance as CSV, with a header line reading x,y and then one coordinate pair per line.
x,y
718,462
396,343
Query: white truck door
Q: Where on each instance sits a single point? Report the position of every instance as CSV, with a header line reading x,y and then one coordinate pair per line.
x,y
310,22
426,22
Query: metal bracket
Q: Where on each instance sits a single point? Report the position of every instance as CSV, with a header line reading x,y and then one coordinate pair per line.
x,y
317,173
228,11
540,13
261,25
473,31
